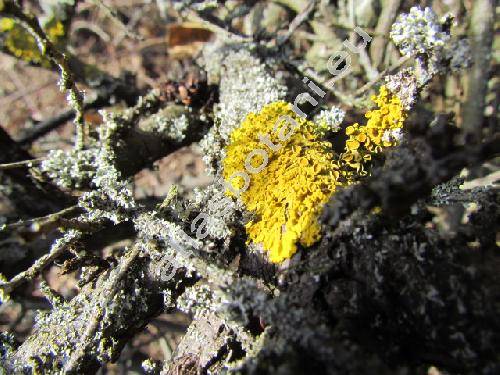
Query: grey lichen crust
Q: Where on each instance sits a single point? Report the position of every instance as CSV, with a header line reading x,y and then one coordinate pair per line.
x,y
70,169
223,213
245,86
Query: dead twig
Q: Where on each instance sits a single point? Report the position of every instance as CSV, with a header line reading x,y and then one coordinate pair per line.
x,y
41,222
116,18
58,247
299,19
20,164
58,59
385,21
481,34
217,25
363,89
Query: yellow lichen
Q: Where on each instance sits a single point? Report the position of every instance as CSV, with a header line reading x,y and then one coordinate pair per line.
x,y
286,195
284,173
22,44
380,131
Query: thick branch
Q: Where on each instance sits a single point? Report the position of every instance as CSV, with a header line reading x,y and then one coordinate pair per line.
x,y
117,306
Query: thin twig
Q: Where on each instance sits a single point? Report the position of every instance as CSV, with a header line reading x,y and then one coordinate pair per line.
x,y
385,21
19,164
41,221
217,25
46,126
313,76
370,69
11,98
482,32
56,250
116,18
299,19
58,59
381,75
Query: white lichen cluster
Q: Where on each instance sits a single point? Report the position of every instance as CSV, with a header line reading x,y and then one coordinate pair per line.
x,y
392,135
151,226
329,120
70,169
419,32
197,300
112,197
173,128
245,86
222,211
422,34
404,85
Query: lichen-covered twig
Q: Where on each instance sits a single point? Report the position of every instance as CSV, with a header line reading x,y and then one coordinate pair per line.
x,y
47,48
36,224
110,293
412,174
108,312
25,163
58,247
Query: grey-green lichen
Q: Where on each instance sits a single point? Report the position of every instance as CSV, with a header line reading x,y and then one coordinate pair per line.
x,y
70,169
176,248
197,300
112,197
109,195
172,128
223,213
245,86
170,122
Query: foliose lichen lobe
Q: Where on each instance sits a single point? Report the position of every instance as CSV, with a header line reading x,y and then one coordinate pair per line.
x,y
294,177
